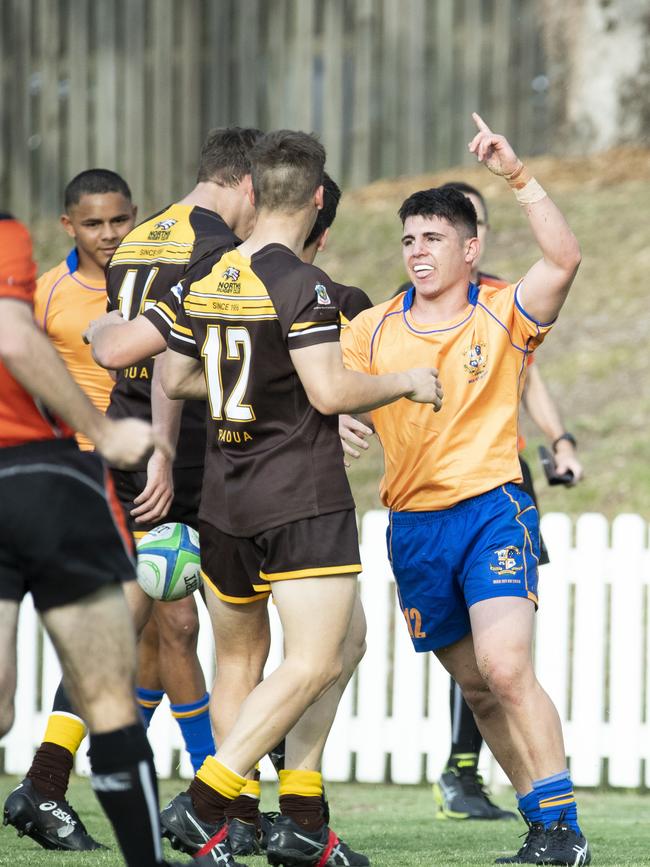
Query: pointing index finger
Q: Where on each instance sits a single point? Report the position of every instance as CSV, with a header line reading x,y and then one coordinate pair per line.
x,y
480,123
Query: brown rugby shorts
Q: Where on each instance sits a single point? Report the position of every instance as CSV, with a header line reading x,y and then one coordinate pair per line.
x,y
241,570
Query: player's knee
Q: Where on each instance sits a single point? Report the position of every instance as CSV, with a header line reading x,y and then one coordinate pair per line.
x,y
179,629
325,675
7,714
508,679
481,701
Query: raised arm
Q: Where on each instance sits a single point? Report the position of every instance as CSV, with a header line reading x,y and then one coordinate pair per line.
x,y
332,388
545,286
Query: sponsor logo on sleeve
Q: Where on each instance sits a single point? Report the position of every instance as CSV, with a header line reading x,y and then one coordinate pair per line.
x,y
321,294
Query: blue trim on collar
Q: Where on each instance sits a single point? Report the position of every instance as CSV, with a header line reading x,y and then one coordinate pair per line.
x,y
409,298
72,260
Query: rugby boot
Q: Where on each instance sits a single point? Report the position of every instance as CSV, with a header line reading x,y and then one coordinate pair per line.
x,y
461,794
532,850
291,846
250,838
52,824
217,849
565,846
245,837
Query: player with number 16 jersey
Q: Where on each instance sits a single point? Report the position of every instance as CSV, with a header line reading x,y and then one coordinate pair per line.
x,y
151,259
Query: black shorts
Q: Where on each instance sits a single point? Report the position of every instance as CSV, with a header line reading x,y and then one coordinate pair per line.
x,y
63,534
526,485
242,569
185,505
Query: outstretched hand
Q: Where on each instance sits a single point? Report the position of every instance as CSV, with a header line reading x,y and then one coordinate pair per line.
x,y
493,150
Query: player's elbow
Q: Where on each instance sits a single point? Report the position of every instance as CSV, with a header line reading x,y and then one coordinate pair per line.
x,y
14,345
571,257
172,385
108,355
323,401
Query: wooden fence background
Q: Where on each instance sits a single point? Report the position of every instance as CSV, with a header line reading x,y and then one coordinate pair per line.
x,y
592,655
134,85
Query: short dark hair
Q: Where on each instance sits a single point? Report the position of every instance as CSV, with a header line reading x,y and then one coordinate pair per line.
x,y
225,155
287,169
326,215
450,204
467,190
94,182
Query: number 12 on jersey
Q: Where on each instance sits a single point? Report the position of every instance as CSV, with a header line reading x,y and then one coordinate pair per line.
x,y
238,348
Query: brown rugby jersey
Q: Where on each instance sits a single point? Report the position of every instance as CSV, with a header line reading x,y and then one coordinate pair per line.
x,y
271,458
349,299
150,260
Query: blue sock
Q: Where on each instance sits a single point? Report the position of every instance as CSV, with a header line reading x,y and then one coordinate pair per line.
x,y
529,806
148,700
556,799
194,721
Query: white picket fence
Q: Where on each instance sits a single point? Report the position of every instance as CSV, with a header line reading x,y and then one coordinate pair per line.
x,y
592,656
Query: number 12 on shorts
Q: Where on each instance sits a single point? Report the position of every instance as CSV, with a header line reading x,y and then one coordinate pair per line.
x,y
414,622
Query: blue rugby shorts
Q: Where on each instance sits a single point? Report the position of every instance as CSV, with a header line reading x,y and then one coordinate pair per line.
x,y
446,561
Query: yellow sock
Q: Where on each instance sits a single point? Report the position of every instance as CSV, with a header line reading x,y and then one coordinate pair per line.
x,y
307,784
66,730
220,778
252,788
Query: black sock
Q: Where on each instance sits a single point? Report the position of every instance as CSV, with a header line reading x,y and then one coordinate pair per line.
x,y
466,739
124,780
61,702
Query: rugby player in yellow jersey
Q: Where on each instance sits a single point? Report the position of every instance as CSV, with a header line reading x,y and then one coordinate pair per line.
x,y
463,539
460,793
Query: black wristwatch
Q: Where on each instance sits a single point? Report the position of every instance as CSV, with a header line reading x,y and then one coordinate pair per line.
x,y
565,436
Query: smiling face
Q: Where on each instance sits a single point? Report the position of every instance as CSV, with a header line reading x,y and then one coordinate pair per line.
x,y
437,256
98,222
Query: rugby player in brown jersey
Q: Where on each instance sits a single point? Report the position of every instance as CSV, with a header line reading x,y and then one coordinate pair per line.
x,y
258,336
241,662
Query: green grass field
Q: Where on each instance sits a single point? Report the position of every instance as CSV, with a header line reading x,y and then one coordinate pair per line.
x,y
393,825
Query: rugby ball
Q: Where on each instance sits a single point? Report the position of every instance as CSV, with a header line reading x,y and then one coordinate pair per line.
x,y
169,566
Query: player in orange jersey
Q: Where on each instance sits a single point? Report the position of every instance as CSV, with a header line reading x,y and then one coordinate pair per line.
x,y
98,214
75,564
463,537
459,793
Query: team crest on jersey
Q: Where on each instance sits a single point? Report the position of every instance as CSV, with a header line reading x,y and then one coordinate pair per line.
x,y
161,231
166,224
231,274
507,561
321,294
476,361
